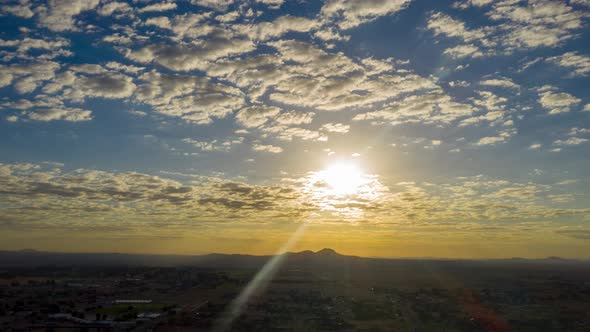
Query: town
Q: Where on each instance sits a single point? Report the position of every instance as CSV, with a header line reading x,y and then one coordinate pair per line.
x,y
310,292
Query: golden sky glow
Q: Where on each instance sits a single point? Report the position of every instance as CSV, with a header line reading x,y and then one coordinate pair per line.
x,y
454,128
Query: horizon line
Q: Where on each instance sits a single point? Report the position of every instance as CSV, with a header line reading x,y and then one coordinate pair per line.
x,y
296,252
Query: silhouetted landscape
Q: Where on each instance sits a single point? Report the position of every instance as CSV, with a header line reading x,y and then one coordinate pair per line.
x,y
309,291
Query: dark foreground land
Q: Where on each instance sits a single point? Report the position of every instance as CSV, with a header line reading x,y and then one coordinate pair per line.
x,y
321,291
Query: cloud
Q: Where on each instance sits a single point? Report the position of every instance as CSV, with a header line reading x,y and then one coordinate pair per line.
x,y
462,51
27,77
347,14
89,80
581,2
65,114
192,98
571,141
294,118
267,148
48,194
255,116
272,4
108,85
519,25
580,234
219,5
426,108
44,49
491,140
334,82
116,66
5,78
22,9
59,14
535,146
181,57
336,128
557,102
228,17
47,108
579,64
330,35
160,21
500,82
109,8
443,24
214,145
464,4
285,133
536,23
158,7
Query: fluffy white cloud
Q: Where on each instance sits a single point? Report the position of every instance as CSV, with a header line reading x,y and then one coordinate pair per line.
x,y
427,108
45,108
442,24
462,51
26,77
257,115
158,7
558,102
336,128
520,25
581,2
294,118
500,82
22,9
463,4
219,5
59,15
109,8
330,35
193,98
160,21
5,78
186,57
491,140
535,146
65,114
536,23
579,64
571,141
267,148
89,80
55,47
272,4
348,14
335,82
285,133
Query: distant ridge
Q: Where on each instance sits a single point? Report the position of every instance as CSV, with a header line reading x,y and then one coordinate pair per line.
x,y
27,258
324,252
327,252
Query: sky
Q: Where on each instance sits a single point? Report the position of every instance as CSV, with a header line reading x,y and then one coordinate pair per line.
x,y
389,128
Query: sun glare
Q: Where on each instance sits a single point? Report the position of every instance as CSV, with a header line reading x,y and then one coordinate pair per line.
x,y
343,178
343,189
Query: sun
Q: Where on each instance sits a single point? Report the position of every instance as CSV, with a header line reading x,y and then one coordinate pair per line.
x,y
342,178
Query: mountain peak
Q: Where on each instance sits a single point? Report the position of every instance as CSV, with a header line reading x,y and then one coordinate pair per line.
x,y
327,252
